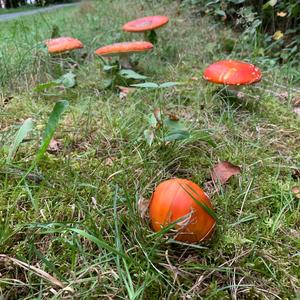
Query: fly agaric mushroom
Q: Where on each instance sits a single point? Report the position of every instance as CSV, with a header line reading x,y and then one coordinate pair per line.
x,y
233,73
184,204
145,25
63,44
123,50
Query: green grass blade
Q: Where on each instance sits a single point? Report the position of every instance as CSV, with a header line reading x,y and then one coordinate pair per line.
x,y
98,242
59,108
20,136
202,205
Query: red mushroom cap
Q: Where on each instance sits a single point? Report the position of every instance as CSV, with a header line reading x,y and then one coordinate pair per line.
x,y
146,23
63,44
123,48
232,72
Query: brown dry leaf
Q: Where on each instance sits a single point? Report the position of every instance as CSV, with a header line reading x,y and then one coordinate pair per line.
x,y
54,146
172,117
223,171
296,191
143,205
109,161
124,91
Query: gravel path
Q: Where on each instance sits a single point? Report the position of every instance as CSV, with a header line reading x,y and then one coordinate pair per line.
x,y
6,17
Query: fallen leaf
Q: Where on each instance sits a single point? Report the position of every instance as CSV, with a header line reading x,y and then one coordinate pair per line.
x,y
223,171
296,191
54,146
109,161
281,14
172,117
143,205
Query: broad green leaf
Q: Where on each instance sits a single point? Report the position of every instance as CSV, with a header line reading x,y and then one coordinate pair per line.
x,y
205,137
270,3
68,80
21,134
146,85
130,74
152,120
149,136
43,86
174,125
177,135
109,67
220,12
237,1
108,83
169,84
58,110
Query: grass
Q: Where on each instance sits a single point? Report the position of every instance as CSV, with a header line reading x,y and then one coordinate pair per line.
x,y
76,215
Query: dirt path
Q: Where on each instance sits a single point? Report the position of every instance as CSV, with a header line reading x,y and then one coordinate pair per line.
x,y
11,16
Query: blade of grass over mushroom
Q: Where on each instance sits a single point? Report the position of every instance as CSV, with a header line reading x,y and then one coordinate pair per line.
x,y
192,193
24,130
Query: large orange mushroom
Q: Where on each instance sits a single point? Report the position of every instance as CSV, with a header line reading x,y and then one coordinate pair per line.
x,y
147,25
123,50
232,72
185,204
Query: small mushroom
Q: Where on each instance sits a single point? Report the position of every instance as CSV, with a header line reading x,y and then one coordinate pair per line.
x,y
63,44
232,73
146,25
123,50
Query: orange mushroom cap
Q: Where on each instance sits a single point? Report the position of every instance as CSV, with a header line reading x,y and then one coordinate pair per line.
x,y
123,48
63,44
146,23
176,199
232,72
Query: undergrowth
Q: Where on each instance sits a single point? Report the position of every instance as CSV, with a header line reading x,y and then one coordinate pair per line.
x,y
75,215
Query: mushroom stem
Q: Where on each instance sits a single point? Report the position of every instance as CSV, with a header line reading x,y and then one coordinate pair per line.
x,y
152,37
124,61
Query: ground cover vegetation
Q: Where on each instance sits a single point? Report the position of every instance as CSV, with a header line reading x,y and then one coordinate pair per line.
x,y
79,157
